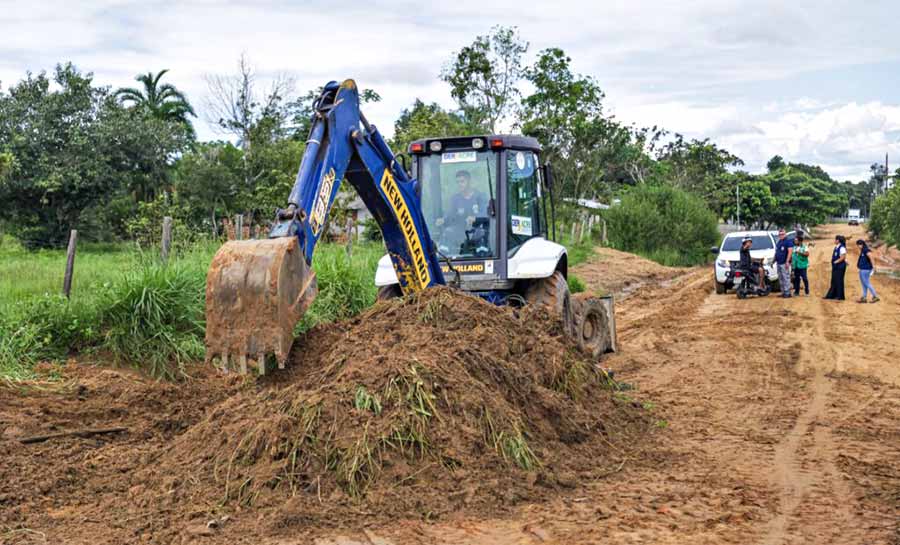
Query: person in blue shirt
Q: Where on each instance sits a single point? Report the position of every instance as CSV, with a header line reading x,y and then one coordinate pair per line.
x,y
866,266
838,268
784,250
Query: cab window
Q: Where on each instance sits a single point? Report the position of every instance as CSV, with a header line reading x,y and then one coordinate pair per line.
x,y
523,221
457,201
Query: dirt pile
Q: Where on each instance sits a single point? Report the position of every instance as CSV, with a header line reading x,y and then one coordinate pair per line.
x,y
419,407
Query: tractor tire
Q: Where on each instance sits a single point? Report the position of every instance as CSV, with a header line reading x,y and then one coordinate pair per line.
x,y
552,294
720,287
592,326
386,293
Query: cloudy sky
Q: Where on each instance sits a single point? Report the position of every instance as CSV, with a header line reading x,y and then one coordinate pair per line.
x,y
814,81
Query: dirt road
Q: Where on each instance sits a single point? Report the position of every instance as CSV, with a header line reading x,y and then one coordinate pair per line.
x,y
777,422
780,423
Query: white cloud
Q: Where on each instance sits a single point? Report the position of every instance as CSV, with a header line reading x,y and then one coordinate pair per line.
x,y
691,66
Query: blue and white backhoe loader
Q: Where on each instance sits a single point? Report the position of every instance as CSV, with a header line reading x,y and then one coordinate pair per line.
x,y
471,212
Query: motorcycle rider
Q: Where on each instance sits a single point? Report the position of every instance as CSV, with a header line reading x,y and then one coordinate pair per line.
x,y
748,264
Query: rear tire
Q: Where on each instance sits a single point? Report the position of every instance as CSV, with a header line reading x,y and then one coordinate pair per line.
x,y
720,287
552,294
386,293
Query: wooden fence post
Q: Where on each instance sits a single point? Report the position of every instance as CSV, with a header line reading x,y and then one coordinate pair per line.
x,y
581,233
166,239
70,263
604,238
239,227
574,223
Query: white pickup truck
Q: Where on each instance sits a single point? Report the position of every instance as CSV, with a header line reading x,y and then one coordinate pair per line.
x,y
729,253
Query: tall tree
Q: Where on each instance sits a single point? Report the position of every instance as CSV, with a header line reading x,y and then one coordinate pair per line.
x,y
701,167
75,147
425,120
164,102
237,106
591,153
483,77
756,200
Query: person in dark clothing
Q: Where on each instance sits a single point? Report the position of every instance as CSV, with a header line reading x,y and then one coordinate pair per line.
x,y
746,262
838,268
866,267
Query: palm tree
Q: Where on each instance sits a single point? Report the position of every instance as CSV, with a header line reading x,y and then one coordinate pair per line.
x,y
160,101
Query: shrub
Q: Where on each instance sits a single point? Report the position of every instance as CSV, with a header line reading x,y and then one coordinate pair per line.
x,y
43,328
576,285
885,217
663,223
154,318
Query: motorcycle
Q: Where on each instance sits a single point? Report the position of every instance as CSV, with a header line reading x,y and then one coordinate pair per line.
x,y
746,282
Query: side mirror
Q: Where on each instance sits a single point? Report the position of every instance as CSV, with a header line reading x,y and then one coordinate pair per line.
x,y
714,249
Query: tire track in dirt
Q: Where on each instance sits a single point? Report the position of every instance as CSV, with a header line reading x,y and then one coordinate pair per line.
x,y
815,499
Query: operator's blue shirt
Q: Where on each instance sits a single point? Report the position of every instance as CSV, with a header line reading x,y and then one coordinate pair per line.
x,y
781,250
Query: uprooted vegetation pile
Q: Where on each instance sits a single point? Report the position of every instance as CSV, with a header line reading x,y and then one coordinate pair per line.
x,y
420,406
424,406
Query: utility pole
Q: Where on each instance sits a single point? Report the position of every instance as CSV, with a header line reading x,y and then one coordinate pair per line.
x,y
739,204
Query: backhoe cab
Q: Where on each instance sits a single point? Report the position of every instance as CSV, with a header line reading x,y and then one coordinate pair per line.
x,y
487,202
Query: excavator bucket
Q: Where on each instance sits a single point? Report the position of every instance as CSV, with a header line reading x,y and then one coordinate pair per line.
x,y
256,292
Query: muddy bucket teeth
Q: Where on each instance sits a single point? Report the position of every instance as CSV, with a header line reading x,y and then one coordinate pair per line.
x,y
256,292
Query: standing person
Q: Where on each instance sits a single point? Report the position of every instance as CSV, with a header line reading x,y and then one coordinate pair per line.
x,y
784,249
838,268
800,264
866,267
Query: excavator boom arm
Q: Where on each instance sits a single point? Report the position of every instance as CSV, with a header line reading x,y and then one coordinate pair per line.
x,y
257,291
343,145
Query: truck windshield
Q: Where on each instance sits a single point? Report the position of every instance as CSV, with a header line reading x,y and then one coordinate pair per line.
x,y
760,242
457,192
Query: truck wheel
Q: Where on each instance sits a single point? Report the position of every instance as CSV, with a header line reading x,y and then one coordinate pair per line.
x,y
720,287
388,292
591,326
552,294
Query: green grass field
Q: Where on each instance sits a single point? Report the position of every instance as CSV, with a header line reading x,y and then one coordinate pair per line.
x,y
126,308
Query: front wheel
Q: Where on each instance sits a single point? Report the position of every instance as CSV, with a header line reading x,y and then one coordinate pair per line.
x,y
552,294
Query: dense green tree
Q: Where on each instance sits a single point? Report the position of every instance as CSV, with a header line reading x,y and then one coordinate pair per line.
x,y
425,120
756,199
164,102
775,163
801,198
75,147
483,77
884,221
591,154
701,167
